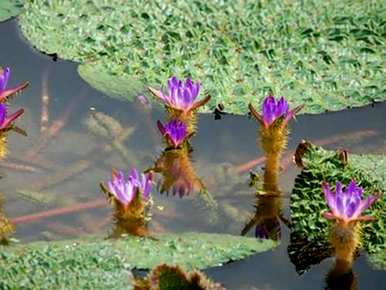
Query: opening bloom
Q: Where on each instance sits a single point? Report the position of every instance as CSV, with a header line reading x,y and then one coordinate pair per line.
x,y
4,77
174,131
126,188
181,95
273,110
347,204
6,121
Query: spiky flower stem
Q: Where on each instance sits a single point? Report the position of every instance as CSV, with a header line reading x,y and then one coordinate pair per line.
x,y
3,146
273,141
345,239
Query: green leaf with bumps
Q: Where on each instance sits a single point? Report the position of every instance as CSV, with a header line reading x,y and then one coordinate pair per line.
x,y
328,55
9,9
102,264
308,204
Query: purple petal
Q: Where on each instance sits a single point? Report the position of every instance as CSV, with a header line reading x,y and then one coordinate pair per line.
x,y
3,114
329,197
365,204
282,107
4,77
339,198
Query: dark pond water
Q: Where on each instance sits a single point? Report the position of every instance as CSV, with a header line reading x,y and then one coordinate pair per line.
x,y
50,182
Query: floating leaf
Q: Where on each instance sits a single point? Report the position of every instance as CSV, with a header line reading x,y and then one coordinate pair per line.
x,y
115,86
106,263
9,9
239,50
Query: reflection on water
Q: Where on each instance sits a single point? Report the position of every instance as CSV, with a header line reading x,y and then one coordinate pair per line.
x,y
50,179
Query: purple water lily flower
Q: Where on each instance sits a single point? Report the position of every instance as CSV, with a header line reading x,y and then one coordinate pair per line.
x,y
181,95
174,131
143,182
4,77
272,110
347,204
7,121
125,188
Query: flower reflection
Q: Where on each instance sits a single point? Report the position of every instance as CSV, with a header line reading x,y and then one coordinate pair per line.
x,y
6,226
175,132
341,277
130,195
267,217
178,176
181,100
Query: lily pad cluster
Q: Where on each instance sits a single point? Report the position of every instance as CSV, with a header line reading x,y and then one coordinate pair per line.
x,y
9,9
95,264
325,54
307,201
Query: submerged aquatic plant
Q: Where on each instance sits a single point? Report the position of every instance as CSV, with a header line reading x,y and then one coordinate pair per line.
x,y
177,171
180,100
129,193
175,132
5,93
346,207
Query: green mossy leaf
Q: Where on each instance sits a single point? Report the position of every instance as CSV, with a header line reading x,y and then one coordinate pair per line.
x,y
325,54
106,263
308,204
117,86
9,9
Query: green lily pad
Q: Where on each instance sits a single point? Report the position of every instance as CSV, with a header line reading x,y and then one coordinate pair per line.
x,y
106,263
117,86
308,204
9,9
379,259
325,54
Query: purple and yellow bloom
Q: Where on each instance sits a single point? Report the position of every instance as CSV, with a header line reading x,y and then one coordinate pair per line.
x,y
4,92
174,131
347,204
126,188
6,121
273,110
181,95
